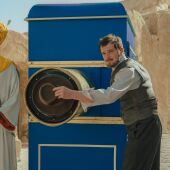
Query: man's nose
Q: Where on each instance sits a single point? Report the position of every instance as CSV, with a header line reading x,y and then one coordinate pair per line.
x,y
107,56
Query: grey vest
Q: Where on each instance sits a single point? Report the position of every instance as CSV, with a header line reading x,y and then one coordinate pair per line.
x,y
139,103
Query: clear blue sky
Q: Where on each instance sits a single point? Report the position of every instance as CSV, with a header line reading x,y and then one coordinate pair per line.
x,y
17,10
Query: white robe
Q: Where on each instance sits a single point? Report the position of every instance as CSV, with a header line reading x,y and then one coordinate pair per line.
x,y
9,99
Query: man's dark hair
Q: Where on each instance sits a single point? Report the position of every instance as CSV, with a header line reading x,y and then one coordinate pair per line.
x,y
110,38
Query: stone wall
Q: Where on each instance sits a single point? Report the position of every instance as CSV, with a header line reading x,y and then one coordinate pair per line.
x,y
151,20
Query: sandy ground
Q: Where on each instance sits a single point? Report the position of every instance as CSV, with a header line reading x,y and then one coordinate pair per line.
x,y
165,155
165,152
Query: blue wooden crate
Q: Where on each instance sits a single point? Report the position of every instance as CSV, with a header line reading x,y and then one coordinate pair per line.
x,y
71,32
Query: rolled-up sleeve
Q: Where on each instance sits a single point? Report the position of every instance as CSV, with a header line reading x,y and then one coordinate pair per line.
x,y
124,79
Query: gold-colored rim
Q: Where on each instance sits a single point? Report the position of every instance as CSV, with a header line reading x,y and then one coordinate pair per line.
x,y
76,82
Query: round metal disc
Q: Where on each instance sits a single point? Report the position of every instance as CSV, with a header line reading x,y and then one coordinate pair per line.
x,y
40,97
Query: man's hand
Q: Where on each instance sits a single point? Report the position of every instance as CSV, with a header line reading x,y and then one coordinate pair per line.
x,y
63,92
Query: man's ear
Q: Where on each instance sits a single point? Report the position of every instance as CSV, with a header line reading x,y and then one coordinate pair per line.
x,y
121,51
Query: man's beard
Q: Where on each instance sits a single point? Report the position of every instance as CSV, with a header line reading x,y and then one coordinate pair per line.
x,y
112,65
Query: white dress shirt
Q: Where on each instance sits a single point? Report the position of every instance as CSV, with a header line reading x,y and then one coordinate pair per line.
x,y
125,80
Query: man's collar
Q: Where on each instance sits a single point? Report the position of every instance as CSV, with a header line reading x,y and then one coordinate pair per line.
x,y
122,58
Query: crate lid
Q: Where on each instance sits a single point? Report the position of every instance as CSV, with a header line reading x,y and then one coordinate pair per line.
x,y
76,10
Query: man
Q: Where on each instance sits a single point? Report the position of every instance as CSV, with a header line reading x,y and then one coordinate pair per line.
x,y
9,109
130,82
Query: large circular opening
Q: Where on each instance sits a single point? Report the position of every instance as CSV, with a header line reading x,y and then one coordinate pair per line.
x,y
40,98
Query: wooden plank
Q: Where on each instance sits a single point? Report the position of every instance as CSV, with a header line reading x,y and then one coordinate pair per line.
x,y
41,64
86,120
75,18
